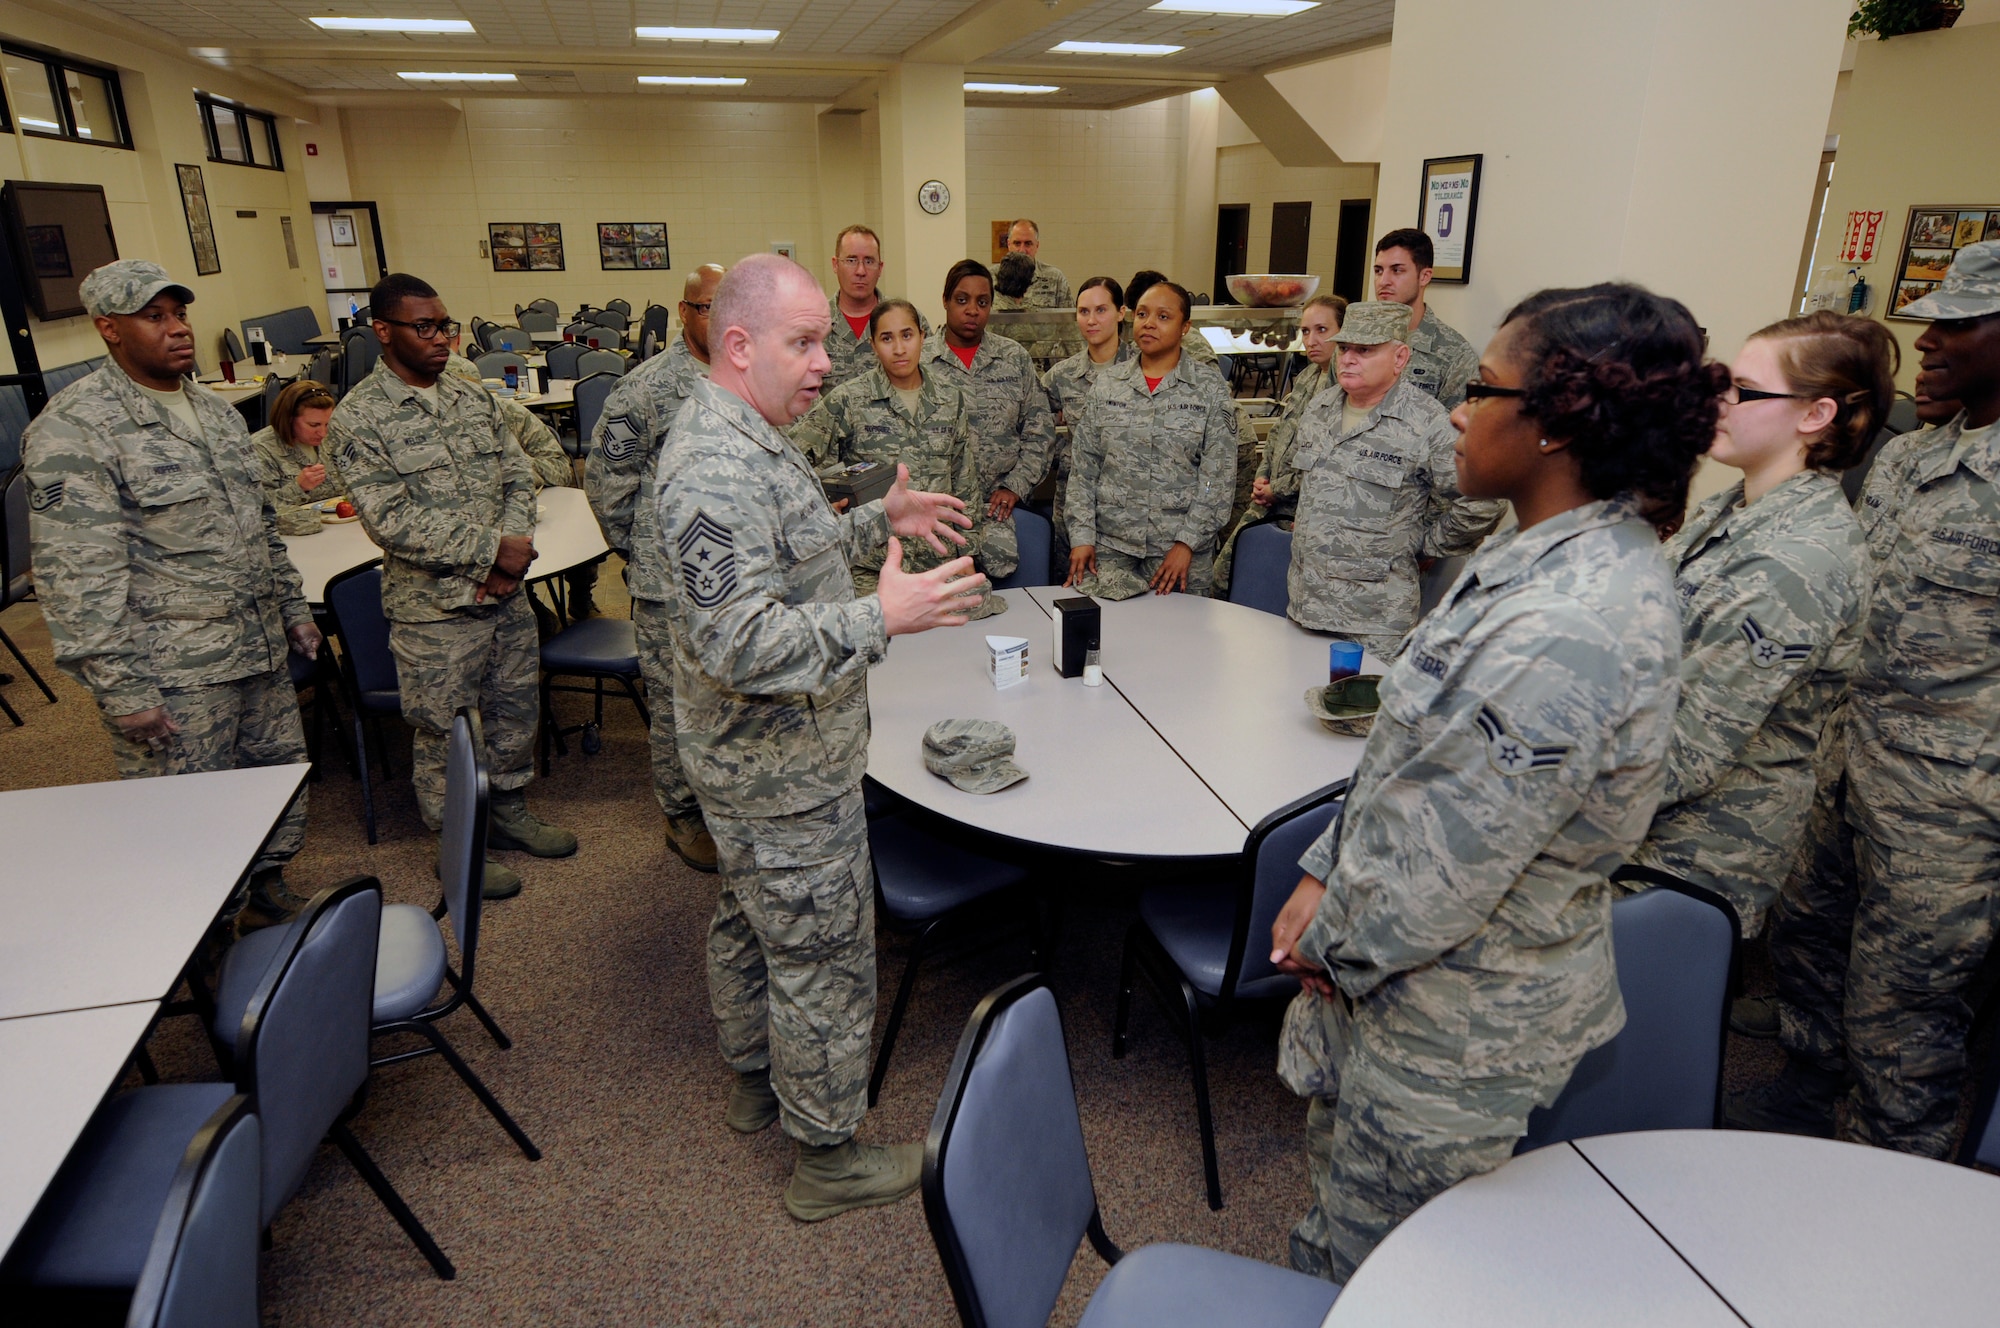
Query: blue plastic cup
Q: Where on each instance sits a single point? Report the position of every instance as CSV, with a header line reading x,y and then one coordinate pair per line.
x,y
1343,660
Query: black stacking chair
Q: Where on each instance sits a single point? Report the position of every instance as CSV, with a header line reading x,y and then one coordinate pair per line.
x,y
1263,564
602,650
562,359
368,670
17,580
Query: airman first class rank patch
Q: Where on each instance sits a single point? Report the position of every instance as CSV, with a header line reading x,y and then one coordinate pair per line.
x,y
1765,652
621,440
708,561
1511,755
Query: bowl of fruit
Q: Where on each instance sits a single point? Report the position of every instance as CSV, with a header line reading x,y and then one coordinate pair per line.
x,y
336,512
1273,290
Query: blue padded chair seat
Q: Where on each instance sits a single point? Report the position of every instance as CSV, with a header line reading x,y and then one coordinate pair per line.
x,y
243,967
1192,923
595,645
924,877
95,1225
1164,1284
409,962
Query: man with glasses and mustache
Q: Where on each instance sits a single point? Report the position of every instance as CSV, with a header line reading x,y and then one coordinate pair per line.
x,y
857,271
450,496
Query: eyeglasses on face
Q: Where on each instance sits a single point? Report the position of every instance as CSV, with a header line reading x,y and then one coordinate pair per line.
x,y
1476,391
425,328
701,308
1736,394
864,264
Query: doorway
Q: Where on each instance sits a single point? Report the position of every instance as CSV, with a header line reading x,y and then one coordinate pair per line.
x,y
1350,250
1232,247
351,257
1291,236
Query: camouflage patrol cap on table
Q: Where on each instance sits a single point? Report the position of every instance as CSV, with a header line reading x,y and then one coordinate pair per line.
x,y
1114,583
976,755
1372,322
1971,288
127,286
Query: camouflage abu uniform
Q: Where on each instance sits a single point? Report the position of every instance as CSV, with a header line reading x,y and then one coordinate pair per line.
x,y
544,450
1275,468
1068,383
1874,953
1516,761
1150,470
771,656
1012,427
1772,597
1441,361
866,420
617,475
278,467
1049,289
163,580
436,487
1372,502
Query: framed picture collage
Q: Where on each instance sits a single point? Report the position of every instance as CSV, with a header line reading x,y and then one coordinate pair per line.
x,y
1933,235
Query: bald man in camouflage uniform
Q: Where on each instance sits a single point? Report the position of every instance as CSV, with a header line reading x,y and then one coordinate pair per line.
x,y
1378,490
1465,923
449,496
1875,957
1773,595
617,475
165,586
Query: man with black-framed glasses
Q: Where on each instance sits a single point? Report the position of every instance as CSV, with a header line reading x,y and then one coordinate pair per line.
x,y
448,494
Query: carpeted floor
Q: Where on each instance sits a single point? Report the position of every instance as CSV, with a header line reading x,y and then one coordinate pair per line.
x,y
645,1208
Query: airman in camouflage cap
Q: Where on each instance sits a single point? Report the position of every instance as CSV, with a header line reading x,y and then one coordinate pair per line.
x,y
1971,288
976,755
127,286
1372,322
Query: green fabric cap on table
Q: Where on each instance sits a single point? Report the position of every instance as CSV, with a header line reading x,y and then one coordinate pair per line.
x,y
976,755
1971,288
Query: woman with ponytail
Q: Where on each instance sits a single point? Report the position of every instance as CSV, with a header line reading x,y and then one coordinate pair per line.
x,y
1453,928
1773,577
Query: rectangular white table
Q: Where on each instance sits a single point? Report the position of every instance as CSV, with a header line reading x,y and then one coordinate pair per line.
x,y
1099,778
54,1071
1253,739
109,888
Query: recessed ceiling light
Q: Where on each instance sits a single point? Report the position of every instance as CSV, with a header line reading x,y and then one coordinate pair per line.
x,y
708,34
692,80
393,24
1112,48
458,78
1012,87
1254,8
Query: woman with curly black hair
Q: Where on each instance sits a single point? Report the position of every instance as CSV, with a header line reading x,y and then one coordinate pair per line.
x,y
1453,928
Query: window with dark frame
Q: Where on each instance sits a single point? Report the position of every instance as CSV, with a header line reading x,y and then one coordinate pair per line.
x,y
53,96
238,135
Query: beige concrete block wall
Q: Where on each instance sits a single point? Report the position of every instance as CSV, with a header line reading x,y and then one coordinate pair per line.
x,y
1250,174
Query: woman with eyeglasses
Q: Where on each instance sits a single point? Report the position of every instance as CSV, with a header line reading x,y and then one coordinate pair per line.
x,y
1773,575
295,475
1453,927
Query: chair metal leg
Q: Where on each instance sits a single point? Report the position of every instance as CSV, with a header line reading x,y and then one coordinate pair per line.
x,y
903,990
367,792
22,659
344,1139
10,711
1123,1018
480,1091
500,1039
1198,1068
147,1070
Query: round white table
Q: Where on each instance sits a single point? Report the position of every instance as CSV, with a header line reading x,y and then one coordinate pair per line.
x,y
1199,731
566,535
1691,1227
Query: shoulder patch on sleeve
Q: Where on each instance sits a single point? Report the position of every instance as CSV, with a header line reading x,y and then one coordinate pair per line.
x,y
708,560
621,439
1765,652
47,496
1511,755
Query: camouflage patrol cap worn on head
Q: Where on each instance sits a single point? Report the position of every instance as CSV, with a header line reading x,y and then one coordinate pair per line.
x,y
1372,322
976,755
127,286
1971,288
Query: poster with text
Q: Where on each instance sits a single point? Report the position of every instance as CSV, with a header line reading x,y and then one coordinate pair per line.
x,y
1450,209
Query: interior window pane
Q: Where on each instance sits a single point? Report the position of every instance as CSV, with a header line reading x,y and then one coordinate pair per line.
x,y
260,135
34,102
228,135
90,102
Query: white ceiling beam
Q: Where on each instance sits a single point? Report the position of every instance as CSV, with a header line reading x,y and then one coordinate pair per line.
x,y
992,25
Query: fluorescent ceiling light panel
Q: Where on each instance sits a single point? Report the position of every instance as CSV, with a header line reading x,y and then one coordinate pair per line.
x,y
708,34
1112,48
393,24
458,78
692,81
1251,8
1012,87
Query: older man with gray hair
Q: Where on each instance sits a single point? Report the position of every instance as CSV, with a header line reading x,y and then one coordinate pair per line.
x,y
1050,288
771,658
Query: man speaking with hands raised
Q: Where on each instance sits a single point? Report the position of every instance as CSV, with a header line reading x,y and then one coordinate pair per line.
x,y
771,658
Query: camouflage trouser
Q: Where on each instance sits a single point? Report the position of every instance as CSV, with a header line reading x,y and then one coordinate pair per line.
x,y
1200,573
791,960
1878,934
1395,1140
228,726
671,789
487,657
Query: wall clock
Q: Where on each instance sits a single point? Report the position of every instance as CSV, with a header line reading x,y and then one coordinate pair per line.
x,y
933,197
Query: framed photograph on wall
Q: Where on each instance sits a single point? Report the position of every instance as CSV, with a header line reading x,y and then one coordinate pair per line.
x,y
1932,236
623,245
525,246
341,229
201,229
1449,209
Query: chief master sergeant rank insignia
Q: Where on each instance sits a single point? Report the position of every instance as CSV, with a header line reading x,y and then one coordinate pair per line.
x,y
708,560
